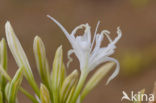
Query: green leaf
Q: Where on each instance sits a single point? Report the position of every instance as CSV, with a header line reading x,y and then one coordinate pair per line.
x,y
14,85
3,63
58,73
7,90
67,85
41,60
4,73
96,78
19,55
3,54
70,96
44,94
1,97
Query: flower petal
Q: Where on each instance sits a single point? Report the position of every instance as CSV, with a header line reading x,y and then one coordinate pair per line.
x,y
119,35
62,28
106,59
117,69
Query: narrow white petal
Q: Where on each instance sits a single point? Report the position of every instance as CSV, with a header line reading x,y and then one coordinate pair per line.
x,y
99,54
94,53
106,59
61,26
117,69
95,35
71,38
99,39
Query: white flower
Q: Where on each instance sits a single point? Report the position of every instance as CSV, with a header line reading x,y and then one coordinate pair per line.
x,y
88,56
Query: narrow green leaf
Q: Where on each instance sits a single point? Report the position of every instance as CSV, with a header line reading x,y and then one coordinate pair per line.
x,y
3,63
7,77
63,74
14,85
57,74
44,94
4,73
95,79
1,97
20,56
41,60
70,96
3,54
67,85
7,90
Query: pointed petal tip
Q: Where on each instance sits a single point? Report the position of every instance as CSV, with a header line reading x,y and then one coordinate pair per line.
x,y
118,27
107,83
7,24
61,27
119,30
59,48
76,72
3,39
52,18
98,23
48,15
116,72
8,29
37,38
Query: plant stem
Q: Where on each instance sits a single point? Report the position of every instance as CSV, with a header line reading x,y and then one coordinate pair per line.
x,y
81,82
56,97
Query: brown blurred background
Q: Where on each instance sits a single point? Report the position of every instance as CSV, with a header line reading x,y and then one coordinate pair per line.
x,y
136,50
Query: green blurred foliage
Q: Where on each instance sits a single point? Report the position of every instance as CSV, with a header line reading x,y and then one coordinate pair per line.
x,y
139,3
134,61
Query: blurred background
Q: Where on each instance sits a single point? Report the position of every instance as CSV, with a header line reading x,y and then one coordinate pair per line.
x,y
136,51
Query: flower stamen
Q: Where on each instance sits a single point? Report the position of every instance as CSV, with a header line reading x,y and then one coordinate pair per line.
x,y
95,35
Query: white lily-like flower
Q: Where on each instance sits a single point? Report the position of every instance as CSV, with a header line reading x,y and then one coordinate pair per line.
x,y
88,56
